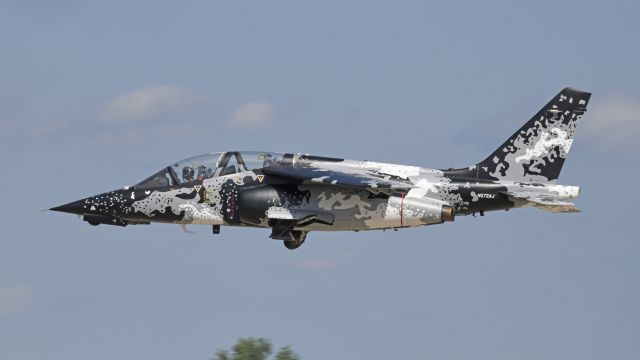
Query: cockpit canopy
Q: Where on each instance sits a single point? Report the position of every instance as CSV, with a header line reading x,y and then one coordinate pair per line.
x,y
202,167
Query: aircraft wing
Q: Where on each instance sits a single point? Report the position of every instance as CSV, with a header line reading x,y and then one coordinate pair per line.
x,y
545,202
363,179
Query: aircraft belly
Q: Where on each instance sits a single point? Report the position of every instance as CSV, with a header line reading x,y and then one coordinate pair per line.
x,y
353,209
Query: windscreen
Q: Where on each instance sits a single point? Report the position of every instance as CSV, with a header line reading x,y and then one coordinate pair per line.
x,y
196,168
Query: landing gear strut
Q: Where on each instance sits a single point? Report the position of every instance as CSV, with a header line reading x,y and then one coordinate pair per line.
x,y
283,230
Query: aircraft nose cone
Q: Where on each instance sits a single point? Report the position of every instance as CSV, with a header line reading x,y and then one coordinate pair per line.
x,y
74,207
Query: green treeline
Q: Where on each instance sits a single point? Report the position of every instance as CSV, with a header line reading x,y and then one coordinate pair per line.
x,y
255,349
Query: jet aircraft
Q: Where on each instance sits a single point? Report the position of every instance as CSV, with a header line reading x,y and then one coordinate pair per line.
x,y
293,194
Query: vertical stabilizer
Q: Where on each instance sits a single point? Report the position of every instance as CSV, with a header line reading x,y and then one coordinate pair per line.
x,y
537,151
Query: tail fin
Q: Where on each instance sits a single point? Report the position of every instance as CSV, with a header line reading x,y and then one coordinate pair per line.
x,y
537,151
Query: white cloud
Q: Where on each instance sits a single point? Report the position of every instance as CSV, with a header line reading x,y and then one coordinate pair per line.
x,y
314,264
150,101
253,114
15,299
614,122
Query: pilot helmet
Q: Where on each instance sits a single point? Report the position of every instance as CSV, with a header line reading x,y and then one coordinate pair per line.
x,y
187,173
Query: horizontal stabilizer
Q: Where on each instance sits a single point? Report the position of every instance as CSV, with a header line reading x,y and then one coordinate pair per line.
x,y
544,202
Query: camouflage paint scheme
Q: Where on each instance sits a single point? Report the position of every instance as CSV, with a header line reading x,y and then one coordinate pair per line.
x,y
293,194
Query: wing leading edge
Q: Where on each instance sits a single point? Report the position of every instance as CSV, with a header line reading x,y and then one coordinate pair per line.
x,y
340,177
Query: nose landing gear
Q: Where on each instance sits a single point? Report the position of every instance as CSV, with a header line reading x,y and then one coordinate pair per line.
x,y
283,230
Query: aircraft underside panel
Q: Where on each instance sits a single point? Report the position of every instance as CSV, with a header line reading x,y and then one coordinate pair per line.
x,y
336,208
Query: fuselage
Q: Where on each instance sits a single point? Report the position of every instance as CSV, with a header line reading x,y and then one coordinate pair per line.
x,y
249,196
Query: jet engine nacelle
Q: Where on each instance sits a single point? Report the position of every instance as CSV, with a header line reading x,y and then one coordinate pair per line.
x,y
254,202
408,211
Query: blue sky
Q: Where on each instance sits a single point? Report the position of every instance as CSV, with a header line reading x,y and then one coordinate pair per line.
x,y
95,95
